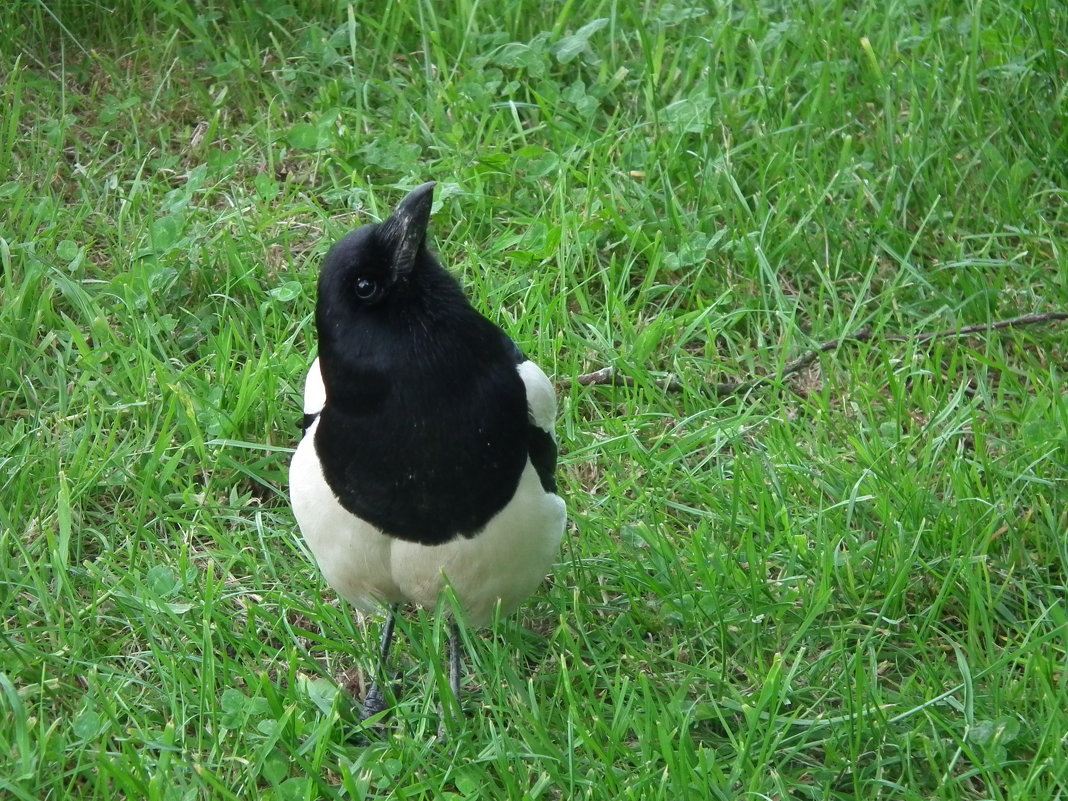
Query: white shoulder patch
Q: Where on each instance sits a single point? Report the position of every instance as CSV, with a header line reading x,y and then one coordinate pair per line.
x,y
314,390
541,396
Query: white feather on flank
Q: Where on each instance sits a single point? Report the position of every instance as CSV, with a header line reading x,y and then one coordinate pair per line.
x,y
541,396
497,568
352,554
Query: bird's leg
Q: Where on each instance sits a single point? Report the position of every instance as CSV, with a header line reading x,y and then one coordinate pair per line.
x,y
374,702
454,660
455,664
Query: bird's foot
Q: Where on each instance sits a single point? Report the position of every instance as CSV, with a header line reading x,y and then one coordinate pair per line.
x,y
374,703
451,710
443,730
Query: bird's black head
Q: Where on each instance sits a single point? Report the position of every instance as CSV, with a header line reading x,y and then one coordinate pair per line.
x,y
384,299
380,263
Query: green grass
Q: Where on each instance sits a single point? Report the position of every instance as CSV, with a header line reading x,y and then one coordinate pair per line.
x,y
850,584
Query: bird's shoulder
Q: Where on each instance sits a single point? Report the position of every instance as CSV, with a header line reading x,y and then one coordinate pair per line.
x,y
540,393
314,395
541,417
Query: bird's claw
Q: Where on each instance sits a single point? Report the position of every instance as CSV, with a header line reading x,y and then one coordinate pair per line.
x,y
373,703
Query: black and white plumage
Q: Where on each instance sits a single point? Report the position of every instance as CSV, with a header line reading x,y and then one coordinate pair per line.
x,y
428,455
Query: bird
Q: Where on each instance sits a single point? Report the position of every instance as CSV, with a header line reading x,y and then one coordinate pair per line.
x,y
428,459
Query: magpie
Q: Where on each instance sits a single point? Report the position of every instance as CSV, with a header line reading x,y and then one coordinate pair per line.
x,y
428,455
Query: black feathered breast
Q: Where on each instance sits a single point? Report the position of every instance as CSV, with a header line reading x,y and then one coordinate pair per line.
x,y
441,449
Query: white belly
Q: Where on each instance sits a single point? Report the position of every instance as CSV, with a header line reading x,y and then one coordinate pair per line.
x,y
503,564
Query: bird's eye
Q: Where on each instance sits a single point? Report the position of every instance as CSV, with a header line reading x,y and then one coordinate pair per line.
x,y
365,288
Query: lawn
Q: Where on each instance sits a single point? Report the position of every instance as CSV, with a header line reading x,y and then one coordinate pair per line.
x,y
846,581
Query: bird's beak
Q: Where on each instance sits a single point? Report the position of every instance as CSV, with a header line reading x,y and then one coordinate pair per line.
x,y
405,230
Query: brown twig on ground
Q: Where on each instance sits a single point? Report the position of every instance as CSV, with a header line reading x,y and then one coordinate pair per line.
x,y
609,376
